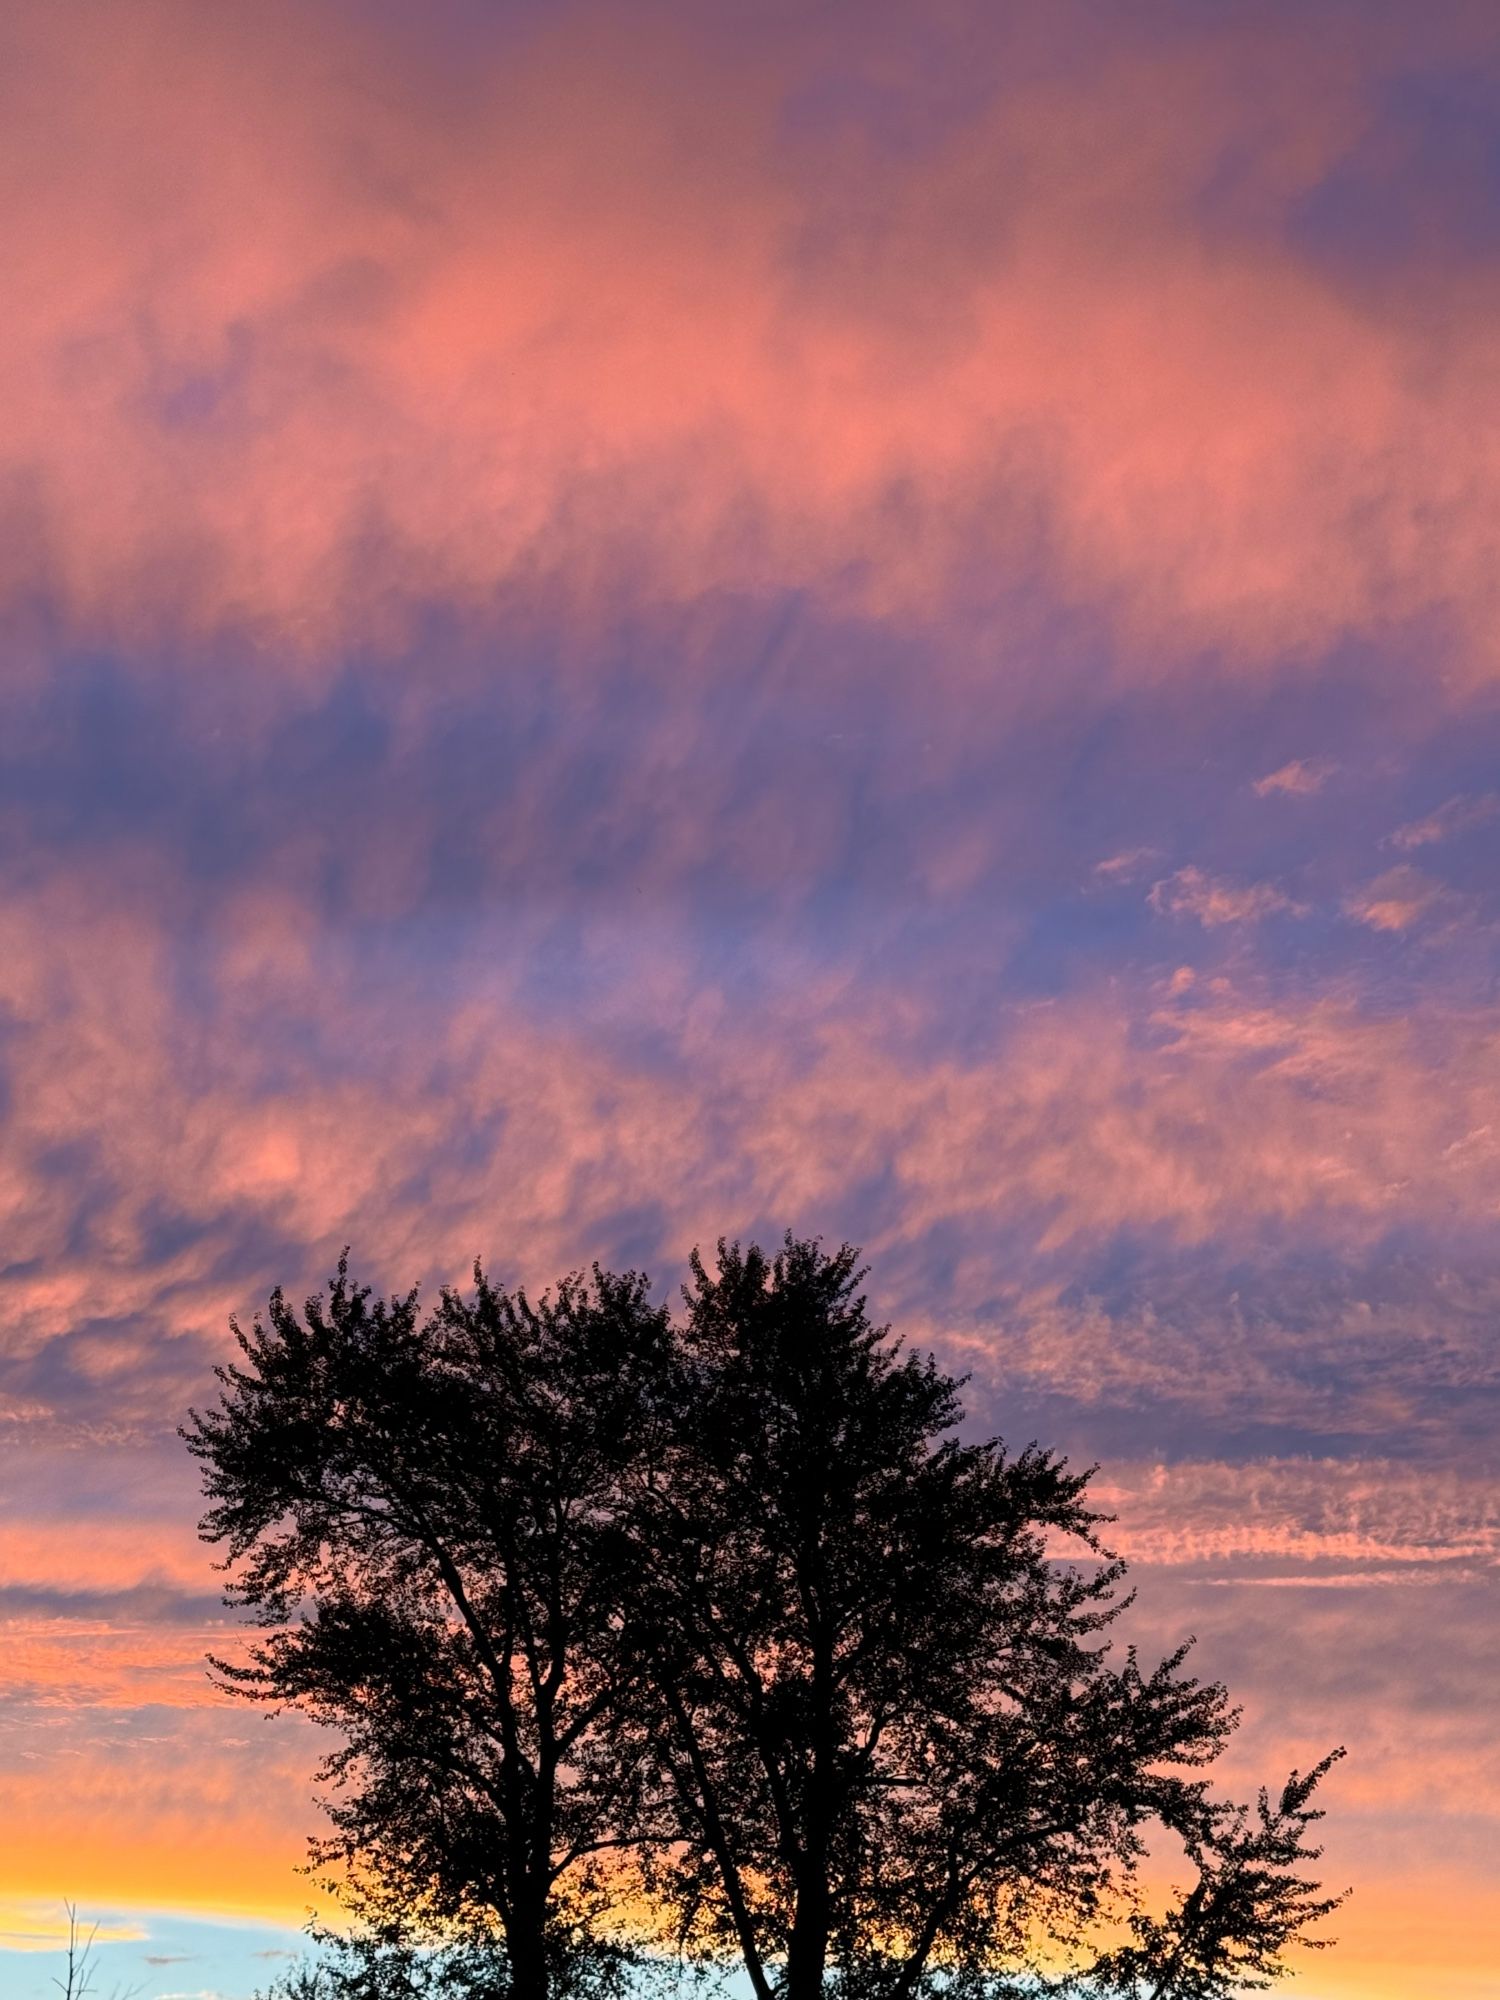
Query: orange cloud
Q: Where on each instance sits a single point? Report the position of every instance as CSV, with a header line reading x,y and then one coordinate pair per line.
x,y
96,1665
189,1820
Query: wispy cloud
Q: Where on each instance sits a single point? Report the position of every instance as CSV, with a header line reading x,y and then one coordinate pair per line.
x,y
32,1926
1300,778
1459,815
1396,900
1124,866
1328,1512
1213,901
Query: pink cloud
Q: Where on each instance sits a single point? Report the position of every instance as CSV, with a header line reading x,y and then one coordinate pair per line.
x,y
1328,1513
1457,816
352,333
1204,1118
1395,900
1123,866
1300,778
1211,901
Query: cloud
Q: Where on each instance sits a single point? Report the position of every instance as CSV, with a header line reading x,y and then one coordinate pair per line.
x,y
111,1662
1130,1209
1121,867
276,388
204,1151
174,1808
27,1926
1185,1348
1328,1513
1459,815
1211,901
1396,900
1300,778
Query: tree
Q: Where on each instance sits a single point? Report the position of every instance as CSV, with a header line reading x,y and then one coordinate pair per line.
x,y
1247,1905
724,1620
77,1978
382,1964
418,1509
900,1750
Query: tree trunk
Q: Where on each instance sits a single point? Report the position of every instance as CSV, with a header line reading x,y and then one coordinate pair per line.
x,y
807,1952
526,1948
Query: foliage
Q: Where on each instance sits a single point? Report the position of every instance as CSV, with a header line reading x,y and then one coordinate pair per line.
x,y
713,1641
1248,1904
419,1511
385,1964
900,1749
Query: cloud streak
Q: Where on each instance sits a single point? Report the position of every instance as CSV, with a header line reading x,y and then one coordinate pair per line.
x,y
1300,778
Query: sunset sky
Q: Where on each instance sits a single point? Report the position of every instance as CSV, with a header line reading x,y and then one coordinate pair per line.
x,y
624,624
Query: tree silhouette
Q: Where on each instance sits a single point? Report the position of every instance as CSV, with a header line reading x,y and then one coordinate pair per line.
x,y
901,1752
76,1981
718,1634
421,1512
378,1963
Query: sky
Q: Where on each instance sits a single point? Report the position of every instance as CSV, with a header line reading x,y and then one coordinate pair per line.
x,y
624,624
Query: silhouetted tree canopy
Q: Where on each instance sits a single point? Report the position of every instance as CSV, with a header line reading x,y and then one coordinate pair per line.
x,y
712,1641
381,1963
423,1512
